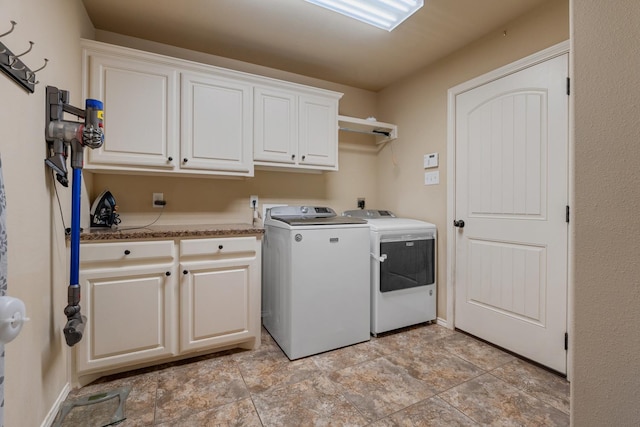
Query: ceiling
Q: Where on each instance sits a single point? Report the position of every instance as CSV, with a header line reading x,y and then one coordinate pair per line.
x,y
299,37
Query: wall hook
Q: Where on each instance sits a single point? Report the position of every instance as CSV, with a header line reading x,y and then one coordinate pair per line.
x,y
14,58
14,68
13,25
14,62
31,75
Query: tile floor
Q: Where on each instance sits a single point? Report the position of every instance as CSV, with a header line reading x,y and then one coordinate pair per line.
x,y
421,376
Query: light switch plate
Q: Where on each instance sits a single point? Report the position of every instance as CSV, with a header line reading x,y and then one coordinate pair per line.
x,y
432,178
431,160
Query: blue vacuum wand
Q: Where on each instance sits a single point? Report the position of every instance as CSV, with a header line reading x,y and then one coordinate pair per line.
x,y
59,134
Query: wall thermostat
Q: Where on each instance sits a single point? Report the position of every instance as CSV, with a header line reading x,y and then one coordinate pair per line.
x,y
431,160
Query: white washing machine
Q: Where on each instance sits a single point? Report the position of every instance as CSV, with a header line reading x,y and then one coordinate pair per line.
x,y
403,270
315,279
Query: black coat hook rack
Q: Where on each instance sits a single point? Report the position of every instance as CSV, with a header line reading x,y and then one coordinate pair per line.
x,y
12,65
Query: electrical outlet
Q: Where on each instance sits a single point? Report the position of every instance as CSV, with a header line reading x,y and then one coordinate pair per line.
x,y
157,197
361,203
253,202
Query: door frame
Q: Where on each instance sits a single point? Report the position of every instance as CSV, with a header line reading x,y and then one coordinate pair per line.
x,y
531,60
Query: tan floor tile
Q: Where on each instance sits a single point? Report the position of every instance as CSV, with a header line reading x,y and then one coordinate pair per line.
x,y
313,402
400,340
237,414
438,368
344,357
267,354
260,376
391,379
482,355
378,388
432,412
197,387
544,385
428,333
491,401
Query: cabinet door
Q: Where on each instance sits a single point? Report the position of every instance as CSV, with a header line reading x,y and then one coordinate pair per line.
x,y
130,316
216,124
275,126
140,111
216,305
318,131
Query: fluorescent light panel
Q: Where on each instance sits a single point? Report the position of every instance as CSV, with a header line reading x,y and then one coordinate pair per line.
x,y
385,14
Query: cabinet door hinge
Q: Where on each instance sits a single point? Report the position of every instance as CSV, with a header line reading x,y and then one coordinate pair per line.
x,y
566,341
568,86
567,214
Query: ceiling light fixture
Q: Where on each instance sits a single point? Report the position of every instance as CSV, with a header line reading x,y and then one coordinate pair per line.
x,y
385,14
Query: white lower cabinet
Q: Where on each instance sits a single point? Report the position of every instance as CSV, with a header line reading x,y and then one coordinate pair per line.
x,y
218,299
129,315
151,301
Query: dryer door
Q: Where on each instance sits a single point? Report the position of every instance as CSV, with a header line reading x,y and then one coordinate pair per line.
x,y
408,264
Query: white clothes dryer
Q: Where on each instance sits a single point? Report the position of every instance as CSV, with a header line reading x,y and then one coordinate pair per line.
x,y
403,270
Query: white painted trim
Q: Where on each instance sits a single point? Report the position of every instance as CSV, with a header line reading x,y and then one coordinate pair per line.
x,y
440,321
51,415
531,60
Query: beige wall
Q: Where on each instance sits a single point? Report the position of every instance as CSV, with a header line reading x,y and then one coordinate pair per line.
x,y
606,93
418,105
206,200
36,368
606,383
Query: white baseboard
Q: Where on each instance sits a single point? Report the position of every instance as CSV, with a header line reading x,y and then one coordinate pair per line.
x,y
51,416
440,321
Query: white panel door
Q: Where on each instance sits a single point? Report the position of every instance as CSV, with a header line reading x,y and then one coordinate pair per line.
x,y
275,125
216,124
140,111
512,192
214,303
318,131
129,316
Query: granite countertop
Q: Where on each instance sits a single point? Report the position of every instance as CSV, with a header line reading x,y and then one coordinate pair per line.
x,y
170,231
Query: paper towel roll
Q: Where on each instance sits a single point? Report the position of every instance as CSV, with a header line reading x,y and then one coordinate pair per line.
x,y
12,317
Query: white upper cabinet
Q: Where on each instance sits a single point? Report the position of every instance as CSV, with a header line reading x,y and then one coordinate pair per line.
x,y
170,116
295,129
318,131
216,124
275,126
140,119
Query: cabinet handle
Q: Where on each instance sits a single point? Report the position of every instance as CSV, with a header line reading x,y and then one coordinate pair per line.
x,y
293,157
170,159
127,252
303,157
168,273
220,247
185,271
185,160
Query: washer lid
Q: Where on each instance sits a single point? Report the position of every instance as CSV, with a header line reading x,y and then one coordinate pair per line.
x,y
310,215
299,221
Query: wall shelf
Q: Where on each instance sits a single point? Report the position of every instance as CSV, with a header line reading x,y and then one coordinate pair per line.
x,y
383,132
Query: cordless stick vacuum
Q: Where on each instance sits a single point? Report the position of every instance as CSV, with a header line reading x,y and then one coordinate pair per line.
x,y
59,134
